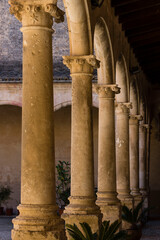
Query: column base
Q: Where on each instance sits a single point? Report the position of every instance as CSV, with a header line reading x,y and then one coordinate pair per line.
x,y
145,198
80,210
38,222
110,206
127,200
137,198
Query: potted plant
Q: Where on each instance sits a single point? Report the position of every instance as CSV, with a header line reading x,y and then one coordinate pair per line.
x,y
9,211
107,232
5,193
63,184
135,217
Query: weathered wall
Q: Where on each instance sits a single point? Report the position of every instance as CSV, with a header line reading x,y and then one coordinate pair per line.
x,y
155,154
10,144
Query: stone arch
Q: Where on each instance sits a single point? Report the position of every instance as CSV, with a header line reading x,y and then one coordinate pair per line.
x,y
122,79
12,103
79,27
69,103
104,52
134,96
142,108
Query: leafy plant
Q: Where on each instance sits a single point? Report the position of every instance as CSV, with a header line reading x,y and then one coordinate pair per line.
x,y
134,216
5,193
107,232
63,183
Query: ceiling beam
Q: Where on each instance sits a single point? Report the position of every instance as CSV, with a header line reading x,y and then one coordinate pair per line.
x,y
151,66
122,2
145,42
135,6
148,54
141,30
137,15
150,47
143,23
145,36
149,59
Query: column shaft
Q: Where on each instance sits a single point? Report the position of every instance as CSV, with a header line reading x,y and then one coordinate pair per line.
x,y
142,158
82,205
38,212
134,157
82,172
122,153
107,195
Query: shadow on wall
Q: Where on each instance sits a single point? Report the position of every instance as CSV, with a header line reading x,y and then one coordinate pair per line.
x,y
10,151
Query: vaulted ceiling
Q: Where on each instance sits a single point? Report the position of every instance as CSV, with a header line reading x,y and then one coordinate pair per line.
x,y
140,20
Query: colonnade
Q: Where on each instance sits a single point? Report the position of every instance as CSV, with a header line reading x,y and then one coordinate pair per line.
x,y
38,211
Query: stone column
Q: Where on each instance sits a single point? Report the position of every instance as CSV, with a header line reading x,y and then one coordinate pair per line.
x,y
134,157
148,132
82,205
122,153
142,158
107,195
38,211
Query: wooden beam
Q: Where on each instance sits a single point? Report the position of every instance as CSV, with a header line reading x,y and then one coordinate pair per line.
x,y
141,30
147,54
135,6
143,23
145,36
140,14
151,65
144,48
115,3
145,42
153,59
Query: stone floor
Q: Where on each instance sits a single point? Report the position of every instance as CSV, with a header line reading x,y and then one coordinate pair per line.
x,y
150,232
5,228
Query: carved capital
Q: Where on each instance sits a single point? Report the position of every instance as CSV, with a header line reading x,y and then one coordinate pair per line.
x,y
81,64
34,11
16,9
106,90
144,126
55,12
136,117
123,107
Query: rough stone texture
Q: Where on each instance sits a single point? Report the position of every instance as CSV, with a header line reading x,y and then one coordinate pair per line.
x,y
11,45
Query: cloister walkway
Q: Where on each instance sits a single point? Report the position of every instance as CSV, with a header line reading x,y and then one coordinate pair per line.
x,y
150,232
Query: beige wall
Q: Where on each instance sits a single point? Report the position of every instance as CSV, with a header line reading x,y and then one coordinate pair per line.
x,y
10,151
10,141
